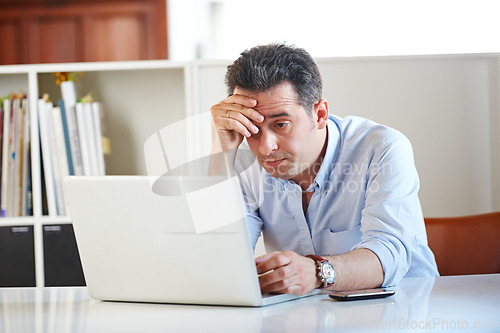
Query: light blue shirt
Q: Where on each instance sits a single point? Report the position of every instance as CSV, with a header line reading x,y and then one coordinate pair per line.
x,y
365,196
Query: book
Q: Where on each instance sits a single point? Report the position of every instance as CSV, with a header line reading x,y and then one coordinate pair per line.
x,y
5,157
91,138
26,195
69,114
68,93
61,158
46,152
67,106
67,144
97,117
84,142
16,157
76,151
1,145
11,157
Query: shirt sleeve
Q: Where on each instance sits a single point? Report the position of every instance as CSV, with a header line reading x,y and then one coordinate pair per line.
x,y
251,187
254,222
392,208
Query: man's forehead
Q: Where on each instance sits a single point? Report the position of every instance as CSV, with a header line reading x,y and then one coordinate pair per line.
x,y
282,95
278,107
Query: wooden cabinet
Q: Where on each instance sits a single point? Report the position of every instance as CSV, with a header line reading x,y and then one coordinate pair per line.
x,y
82,31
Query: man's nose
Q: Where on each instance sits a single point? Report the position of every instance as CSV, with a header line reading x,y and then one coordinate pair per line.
x,y
268,143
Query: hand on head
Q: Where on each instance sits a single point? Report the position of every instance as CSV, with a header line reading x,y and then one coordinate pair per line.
x,y
232,119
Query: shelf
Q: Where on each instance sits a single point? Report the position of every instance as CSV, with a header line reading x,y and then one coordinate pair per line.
x,y
92,66
55,220
17,221
139,98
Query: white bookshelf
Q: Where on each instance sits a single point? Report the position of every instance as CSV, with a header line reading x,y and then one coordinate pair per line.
x,y
139,99
448,105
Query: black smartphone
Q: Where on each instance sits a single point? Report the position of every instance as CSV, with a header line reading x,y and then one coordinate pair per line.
x,y
353,295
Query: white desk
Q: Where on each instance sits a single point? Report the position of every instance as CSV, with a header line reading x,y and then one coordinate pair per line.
x,y
451,304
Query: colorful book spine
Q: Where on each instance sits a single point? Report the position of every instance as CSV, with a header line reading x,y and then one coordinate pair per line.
x,y
67,145
5,157
15,197
61,159
69,101
17,155
60,130
26,204
1,145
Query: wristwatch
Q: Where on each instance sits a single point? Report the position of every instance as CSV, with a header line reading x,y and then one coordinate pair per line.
x,y
325,270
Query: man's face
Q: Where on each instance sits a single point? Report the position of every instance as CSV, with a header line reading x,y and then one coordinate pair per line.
x,y
289,139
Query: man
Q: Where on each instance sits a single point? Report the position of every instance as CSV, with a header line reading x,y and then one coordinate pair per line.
x,y
336,199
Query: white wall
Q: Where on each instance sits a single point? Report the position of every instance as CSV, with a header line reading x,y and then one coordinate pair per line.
x,y
221,29
444,105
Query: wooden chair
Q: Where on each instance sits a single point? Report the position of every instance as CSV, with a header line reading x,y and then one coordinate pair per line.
x,y
466,244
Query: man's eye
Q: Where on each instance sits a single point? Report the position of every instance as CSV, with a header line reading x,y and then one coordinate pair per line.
x,y
281,125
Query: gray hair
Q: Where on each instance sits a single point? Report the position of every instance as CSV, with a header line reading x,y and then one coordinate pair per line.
x,y
266,66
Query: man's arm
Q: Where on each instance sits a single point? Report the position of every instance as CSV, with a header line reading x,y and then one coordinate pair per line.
x,y
357,269
291,273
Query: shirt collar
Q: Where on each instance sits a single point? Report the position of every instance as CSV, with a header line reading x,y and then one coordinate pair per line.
x,y
331,154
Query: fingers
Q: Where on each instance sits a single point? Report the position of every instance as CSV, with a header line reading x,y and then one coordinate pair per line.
x,y
236,113
265,257
283,280
231,117
245,106
242,99
286,272
288,286
272,261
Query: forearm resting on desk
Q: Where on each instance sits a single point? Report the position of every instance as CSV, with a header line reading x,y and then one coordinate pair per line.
x,y
357,269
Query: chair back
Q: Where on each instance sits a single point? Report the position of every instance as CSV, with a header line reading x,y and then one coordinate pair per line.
x,y
466,244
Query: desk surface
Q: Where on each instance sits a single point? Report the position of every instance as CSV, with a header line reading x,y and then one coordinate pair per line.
x,y
454,303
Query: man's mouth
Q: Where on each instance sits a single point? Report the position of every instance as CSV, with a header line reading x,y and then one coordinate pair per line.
x,y
273,163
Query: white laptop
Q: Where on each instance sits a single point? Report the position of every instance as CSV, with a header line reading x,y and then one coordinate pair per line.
x,y
139,246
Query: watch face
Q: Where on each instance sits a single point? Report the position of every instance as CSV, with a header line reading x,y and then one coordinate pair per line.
x,y
328,273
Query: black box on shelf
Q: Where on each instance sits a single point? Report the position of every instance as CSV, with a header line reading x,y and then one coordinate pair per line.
x,y
61,258
17,256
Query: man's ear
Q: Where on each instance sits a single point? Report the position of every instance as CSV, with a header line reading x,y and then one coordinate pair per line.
x,y
321,113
